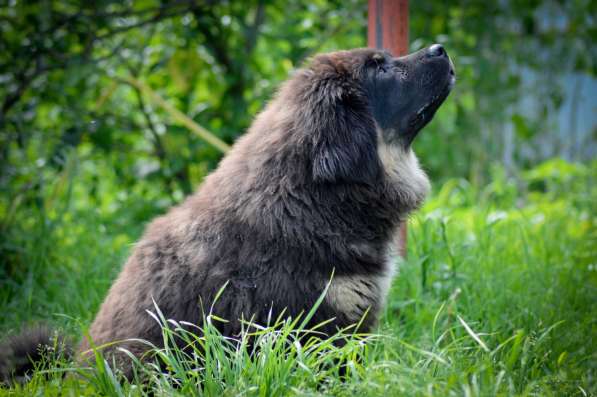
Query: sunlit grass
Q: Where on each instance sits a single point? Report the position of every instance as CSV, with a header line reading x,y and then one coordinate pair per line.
x,y
496,297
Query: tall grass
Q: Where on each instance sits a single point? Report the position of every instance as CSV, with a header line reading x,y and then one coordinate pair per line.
x,y
497,297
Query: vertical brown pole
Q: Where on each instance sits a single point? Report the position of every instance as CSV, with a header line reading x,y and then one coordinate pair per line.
x,y
388,25
388,29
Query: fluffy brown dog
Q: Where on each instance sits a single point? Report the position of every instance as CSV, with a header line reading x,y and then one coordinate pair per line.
x,y
318,185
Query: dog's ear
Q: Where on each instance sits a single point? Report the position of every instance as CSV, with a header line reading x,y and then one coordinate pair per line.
x,y
345,144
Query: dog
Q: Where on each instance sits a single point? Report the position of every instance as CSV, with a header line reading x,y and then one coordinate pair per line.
x,y
317,186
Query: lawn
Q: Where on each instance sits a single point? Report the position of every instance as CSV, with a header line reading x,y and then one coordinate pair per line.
x,y
497,297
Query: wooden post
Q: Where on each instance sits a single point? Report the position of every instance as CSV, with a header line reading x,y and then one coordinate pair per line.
x,y
388,29
388,25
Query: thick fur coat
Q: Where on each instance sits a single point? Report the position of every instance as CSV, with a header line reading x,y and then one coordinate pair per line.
x,y
316,187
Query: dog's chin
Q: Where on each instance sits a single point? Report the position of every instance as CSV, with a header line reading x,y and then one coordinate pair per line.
x,y
425,113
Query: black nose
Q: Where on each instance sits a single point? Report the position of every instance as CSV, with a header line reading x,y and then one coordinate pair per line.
x,y
437,50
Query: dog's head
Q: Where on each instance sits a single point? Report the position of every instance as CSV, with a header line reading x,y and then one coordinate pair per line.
x,y
357,94
405,92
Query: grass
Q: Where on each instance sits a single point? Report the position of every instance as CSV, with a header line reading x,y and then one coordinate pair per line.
x,y
497,297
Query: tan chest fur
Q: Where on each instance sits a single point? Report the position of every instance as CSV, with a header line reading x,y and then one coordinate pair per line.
x,y
403,170
353,295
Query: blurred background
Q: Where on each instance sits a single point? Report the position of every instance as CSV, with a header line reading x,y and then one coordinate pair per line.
x,y
86,158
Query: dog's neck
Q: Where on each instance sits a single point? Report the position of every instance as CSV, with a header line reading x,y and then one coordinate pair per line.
x,y
402,168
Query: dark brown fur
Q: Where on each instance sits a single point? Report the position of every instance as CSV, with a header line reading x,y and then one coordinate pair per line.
x,y
310,190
